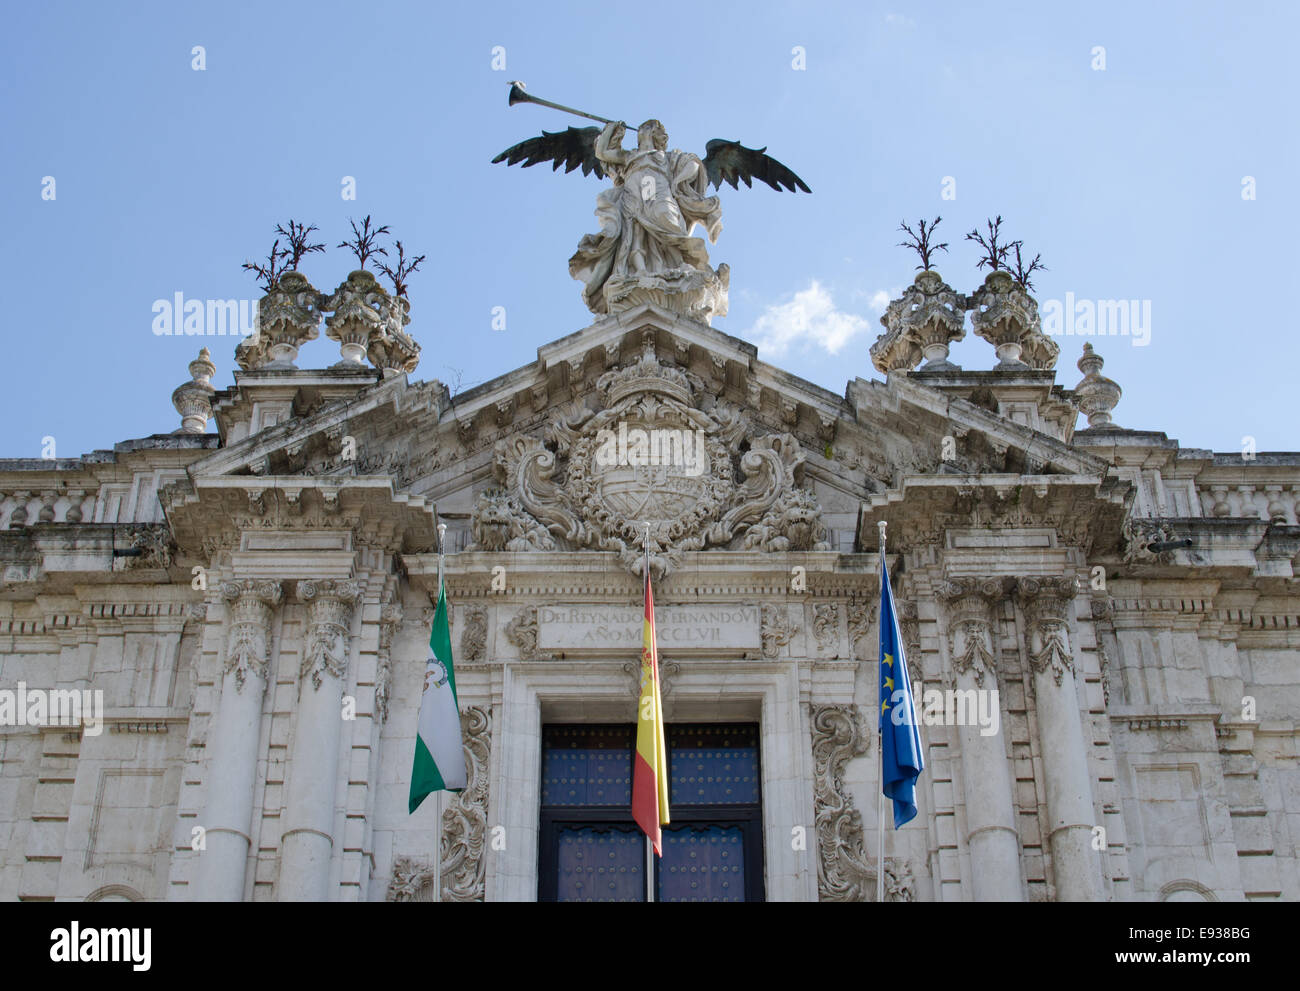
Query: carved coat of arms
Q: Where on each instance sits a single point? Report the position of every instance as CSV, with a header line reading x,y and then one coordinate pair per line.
x,y
650,471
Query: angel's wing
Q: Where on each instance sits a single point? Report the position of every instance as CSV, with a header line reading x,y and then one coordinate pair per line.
x,y
573,147
727,161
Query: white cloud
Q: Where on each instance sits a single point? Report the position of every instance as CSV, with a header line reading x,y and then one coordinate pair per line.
x,y
809,319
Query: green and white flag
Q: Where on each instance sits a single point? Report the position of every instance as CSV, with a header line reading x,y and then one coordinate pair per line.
x,y
439,755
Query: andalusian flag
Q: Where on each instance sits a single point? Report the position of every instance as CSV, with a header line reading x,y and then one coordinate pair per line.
x,y
650,766
439,755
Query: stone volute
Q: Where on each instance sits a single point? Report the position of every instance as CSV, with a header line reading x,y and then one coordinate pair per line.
x,y
361,309
922,323
1006,316
1096,395
193,399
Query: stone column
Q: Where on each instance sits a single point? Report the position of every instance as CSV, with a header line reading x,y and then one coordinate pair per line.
x,y
1046,603
233,741
307,843
991,834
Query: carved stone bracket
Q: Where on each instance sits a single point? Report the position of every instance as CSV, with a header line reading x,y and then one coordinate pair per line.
x,y
826,625
522,632
329,619
843,871
777,630
464,823
251,605
473,641
1046,604
862,614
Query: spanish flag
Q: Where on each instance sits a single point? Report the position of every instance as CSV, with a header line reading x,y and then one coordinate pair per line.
x,y
650,767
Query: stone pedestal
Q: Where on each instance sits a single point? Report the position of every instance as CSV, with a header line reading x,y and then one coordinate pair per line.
x,y
233,743
990,814
1046,603
307,843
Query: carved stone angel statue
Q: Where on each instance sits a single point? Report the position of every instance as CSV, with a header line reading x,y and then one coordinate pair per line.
x,y
645,251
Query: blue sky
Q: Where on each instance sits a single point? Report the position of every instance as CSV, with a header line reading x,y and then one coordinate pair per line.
x,y
1127,179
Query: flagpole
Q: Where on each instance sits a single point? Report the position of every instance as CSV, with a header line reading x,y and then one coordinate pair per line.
x,y
880,743
442,533
649,847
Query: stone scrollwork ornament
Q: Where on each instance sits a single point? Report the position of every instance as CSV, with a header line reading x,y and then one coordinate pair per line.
x,y
464,823
843,872
648,456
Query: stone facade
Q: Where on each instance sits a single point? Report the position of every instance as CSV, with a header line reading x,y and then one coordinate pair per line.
x,y
254,605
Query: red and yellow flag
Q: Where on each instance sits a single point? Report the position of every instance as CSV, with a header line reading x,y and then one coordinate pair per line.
x,y
650,766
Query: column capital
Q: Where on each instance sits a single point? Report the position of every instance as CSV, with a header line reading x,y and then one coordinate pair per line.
x,y
969,603
1046,604
251,605
329,617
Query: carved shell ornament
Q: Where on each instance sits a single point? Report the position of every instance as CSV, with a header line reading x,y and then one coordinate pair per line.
x,y
649,456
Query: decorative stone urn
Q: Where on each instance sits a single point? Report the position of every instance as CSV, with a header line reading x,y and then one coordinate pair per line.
x,y
193,400
922,323
361,308
1096,395
1007,317
287,317
395,352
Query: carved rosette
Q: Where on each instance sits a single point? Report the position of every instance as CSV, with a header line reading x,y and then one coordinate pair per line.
x,y
329,625
250,608
1046,604
843,871
596,478
287,318
1007,317
361,310
464,823
972,638
922,323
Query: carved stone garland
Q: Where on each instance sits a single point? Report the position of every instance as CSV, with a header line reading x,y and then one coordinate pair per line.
x,y
843,871
464,823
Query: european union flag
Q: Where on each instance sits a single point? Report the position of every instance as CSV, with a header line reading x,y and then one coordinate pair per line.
x,y
900,742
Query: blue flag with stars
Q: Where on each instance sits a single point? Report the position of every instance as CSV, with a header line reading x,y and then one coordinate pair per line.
x,y
900,742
